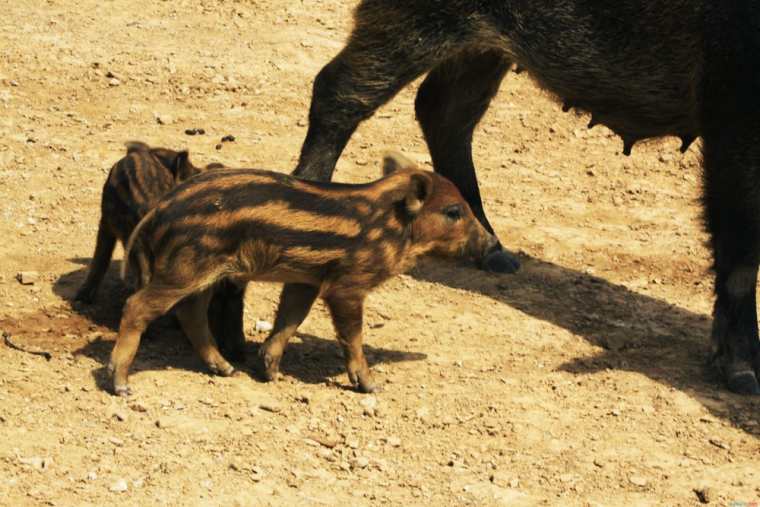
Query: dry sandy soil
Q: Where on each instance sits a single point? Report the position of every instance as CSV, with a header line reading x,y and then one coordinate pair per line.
x,y
579,381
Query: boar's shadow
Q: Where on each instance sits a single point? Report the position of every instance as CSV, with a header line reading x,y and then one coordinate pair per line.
x,y
637,333
309,358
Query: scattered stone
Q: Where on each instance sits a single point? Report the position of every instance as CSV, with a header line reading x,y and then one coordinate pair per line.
x,y
164,423
394,441
119,414
163,119
638,480
28,277
256,474
92,475
263,326
119,486
302,123
228,139
36,462
352,442
116,441
218,146
139,483
326,454
369,403
328,442
719,444
270,407
704,495
113,82
138,407
361,462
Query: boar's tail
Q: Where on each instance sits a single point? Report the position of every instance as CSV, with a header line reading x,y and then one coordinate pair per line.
x,y
135,255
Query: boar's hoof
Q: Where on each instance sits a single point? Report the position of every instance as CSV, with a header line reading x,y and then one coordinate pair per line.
x,y
500,261
743,382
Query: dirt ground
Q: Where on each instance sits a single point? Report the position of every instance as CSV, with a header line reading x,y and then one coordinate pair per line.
x,y
579,381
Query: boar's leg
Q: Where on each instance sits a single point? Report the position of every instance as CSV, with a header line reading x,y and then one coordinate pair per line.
x,y
732,163
225,318
192,314
347,313
450,102
142,308
101,259
383,54
295,302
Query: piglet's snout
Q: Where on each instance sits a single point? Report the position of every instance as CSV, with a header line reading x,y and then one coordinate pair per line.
x,y
481,242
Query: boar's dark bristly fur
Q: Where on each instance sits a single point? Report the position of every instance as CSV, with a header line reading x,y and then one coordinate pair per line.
x,y
686,68
334,241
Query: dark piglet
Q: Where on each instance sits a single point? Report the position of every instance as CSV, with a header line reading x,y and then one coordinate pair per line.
x,y
333,241
643,68
133,187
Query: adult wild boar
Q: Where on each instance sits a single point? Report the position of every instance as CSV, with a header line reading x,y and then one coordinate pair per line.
x,y
689,68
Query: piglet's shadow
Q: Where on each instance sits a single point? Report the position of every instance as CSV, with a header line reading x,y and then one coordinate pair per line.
x,y
308,358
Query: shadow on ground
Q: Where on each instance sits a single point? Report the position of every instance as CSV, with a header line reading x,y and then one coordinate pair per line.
x,y
309,358
637,333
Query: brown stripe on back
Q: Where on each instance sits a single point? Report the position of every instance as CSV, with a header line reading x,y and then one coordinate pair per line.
x,y
279,214
221,180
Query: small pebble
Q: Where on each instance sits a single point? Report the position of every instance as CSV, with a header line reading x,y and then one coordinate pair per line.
x,y
270,407
637,480
119,486
262,326
704,495
28,277
369,403
394,441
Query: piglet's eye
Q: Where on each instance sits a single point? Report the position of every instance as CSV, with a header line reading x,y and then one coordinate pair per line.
x,y
453,212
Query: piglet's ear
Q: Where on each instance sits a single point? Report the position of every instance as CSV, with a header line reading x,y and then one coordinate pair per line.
x,y
183,169
419,190
394,161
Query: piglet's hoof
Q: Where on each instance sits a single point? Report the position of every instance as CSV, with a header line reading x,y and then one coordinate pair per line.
x,y
271,367
743,382
500,261
363,382
122,390
222,370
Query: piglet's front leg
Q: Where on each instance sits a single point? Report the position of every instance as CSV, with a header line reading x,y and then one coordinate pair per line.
x,y
347,312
